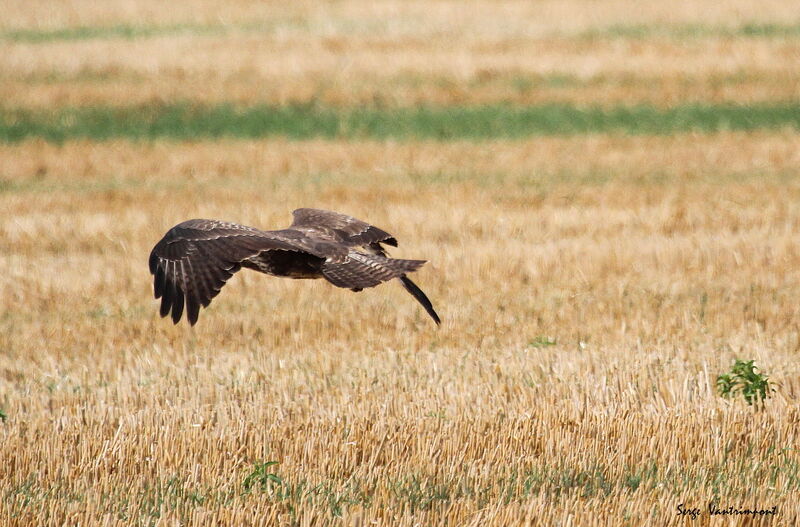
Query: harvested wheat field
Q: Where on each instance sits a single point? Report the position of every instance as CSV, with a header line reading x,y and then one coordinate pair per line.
x,y
608,198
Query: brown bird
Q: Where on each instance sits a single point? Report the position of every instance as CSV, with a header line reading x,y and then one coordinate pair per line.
x,y
195,258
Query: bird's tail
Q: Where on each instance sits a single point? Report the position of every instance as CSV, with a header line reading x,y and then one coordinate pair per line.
x,y
417,293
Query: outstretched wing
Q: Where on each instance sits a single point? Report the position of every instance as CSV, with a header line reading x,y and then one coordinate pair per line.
x,y
340,227
358,270
195,258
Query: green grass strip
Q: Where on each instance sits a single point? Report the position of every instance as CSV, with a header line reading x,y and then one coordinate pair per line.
x,y
690,31
631,31
118,32
187,122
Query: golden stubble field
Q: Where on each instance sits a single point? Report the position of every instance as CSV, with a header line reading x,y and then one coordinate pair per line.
x,y
591,287
649,281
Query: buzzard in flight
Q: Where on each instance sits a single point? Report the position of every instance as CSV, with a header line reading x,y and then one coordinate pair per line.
x,y
195,258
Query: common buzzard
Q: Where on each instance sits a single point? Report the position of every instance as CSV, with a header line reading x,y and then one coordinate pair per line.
x,y
195,258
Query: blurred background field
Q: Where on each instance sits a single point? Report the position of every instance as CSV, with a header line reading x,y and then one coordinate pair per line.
x,y
608,195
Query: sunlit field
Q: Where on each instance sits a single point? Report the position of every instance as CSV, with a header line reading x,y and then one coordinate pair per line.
x,y
608,197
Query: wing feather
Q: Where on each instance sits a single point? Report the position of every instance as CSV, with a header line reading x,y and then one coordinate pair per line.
x,y
193,298
421,297
166,298
177,305
159,282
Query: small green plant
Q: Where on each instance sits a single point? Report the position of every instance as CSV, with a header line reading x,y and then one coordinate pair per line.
x,y
3,415
262,478
542,342
743,378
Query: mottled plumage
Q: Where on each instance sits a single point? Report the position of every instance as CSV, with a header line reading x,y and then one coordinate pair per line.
x,y
195,258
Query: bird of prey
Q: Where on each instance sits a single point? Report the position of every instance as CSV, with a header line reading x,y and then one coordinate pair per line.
x,y
195,258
